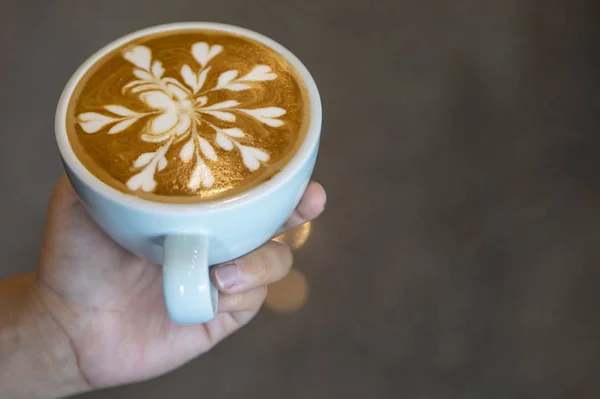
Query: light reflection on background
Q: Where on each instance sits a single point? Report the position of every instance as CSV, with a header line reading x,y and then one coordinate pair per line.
x,y
297,237
290,293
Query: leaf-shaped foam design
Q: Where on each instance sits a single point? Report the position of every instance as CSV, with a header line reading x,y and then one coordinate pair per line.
x,y
162,163
202,78
119,127
93,116
195,178
203,53
91,122
157,69
237,87
201,175
189,77
224,142
234,132
144,87
140,56
224,116
226,77
214,51
155,138
187,151
131,84
207,149
143,180
258,74
144,159
266,115
252,157
222,105
143,75
164,122
120,110
269,112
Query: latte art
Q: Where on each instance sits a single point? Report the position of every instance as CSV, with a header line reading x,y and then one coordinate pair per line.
x,y
177,109
190,115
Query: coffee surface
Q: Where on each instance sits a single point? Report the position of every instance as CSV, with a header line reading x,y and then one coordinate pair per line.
x,y
188,116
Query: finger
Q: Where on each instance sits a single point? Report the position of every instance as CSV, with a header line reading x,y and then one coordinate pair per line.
x,y
311,205
244,301
64,195
267,264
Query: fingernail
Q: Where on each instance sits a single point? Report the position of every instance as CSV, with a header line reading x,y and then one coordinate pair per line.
x,y
227,275
321,204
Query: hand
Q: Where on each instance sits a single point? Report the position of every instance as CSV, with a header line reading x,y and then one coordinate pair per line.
x,y
110,306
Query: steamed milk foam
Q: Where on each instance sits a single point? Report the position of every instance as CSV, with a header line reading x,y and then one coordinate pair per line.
x,y
188,116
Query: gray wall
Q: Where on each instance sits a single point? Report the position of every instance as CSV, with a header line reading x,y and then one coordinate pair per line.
x,y
458,257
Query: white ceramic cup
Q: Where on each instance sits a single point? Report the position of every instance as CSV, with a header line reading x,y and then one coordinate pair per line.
x,y
187,238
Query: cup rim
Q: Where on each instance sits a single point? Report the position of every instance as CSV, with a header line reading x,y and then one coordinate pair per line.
x,y
303,153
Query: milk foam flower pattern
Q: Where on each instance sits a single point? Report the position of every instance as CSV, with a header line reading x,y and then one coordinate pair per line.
x,y
177,109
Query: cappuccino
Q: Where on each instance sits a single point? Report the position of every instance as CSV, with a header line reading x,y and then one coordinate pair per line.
x,y
188,116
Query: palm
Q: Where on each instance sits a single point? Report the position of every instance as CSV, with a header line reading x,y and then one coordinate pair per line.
x,y
120,317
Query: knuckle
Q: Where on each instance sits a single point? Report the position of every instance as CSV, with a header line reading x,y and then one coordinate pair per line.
x,y
276,262
250,299
288,258
241,300
258,297
264,266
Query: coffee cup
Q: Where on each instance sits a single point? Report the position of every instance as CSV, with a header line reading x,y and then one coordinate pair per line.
x,y
187,237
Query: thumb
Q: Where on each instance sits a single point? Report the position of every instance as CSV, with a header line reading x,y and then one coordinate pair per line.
x,y
70,230
77,257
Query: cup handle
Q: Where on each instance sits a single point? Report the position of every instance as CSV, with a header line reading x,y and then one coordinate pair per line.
x,y
190,296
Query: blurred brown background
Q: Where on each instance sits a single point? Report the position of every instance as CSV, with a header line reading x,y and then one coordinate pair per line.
x,y
459,254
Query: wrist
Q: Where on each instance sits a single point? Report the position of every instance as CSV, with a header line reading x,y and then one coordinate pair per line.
x,y
37,360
